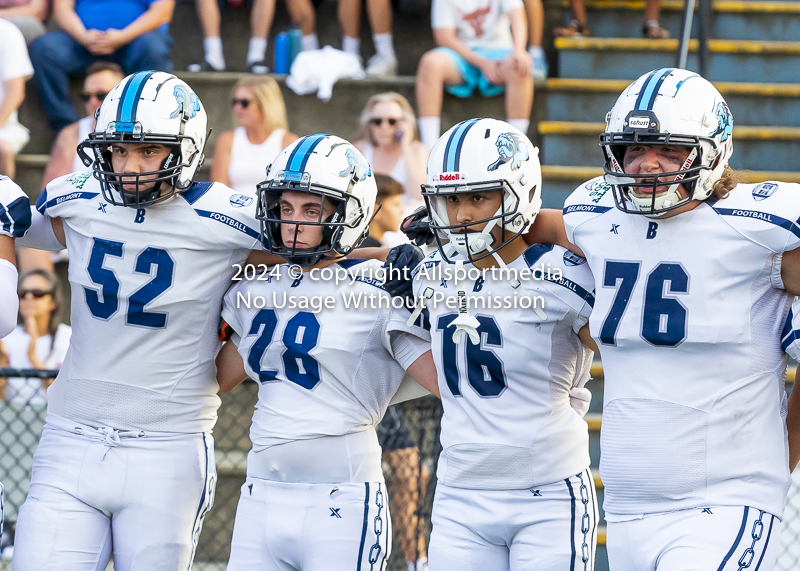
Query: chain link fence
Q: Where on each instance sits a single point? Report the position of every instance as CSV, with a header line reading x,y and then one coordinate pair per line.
x,y
409,435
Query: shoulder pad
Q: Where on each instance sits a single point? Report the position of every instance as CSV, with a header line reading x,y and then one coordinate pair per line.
x,y
66,192
589,200
15,209
766,213
559,266
227,211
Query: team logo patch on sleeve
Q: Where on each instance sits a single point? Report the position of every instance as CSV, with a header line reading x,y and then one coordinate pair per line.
x,y
764,190
79,179
597,190
240,200
510,148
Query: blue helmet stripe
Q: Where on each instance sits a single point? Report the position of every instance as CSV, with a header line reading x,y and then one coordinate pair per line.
x,y
452,152
299,157
129,101
647,97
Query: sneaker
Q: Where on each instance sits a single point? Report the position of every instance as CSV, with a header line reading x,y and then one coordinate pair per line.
x,y
539,68
258,67
381,65
422,564
203,66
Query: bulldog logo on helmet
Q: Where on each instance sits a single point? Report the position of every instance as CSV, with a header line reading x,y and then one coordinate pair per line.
x,y
188,104
511,148
361,166
724,122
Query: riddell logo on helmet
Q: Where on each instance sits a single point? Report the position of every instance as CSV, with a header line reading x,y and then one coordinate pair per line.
x,y
451,176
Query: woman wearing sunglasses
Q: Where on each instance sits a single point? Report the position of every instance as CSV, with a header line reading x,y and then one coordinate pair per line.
x,y
388,139
39,342
241,156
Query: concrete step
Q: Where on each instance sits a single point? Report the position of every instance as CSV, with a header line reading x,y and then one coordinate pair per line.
x,y
731,19
769,104
577,143
628,58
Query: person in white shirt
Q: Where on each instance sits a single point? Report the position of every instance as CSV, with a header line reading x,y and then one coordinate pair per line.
x,y
241,156
388,138
15,70
39,342
481,45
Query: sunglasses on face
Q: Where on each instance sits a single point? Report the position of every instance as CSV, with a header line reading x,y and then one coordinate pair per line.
x,y
37,293
377,121
245,103
87,95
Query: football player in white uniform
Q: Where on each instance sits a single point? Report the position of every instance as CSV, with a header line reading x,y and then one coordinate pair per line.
x,y
15,218
315,497
694,275
126,459
514,487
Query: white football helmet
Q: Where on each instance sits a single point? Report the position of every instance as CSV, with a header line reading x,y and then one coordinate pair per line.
x,y
330,167
479,155
668,107
148,107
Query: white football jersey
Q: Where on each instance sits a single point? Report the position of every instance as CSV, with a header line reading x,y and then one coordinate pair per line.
x,y
321,373
147,289
15,209
508,423
688,317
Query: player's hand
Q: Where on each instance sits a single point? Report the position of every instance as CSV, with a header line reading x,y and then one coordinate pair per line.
x,y
400,261
521,63
417,227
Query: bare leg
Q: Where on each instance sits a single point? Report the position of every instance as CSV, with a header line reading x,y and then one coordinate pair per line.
x,y
261,18
208,13
380,16
7,166
435,71
350,17
519,92
302,13
535,11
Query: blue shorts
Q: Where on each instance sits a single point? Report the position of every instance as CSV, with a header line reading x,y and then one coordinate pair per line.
x,y
472,75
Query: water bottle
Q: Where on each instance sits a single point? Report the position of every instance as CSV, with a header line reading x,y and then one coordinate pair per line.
x,y
296,46
283,46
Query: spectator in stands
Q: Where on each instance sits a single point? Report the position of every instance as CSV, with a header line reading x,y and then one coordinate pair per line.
x,y
577,25
27,15
101,78
388,139
385,226
15,69
241,156
535,12
132,33
481,45
384,62
40,342
261,16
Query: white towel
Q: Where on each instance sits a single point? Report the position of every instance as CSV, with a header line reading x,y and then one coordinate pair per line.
x,y
319,70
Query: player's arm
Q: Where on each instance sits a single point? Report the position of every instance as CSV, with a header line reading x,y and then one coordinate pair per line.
x,y
230,368
548,228
8,286
586,339
45,233
793,423
790,271
423,371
